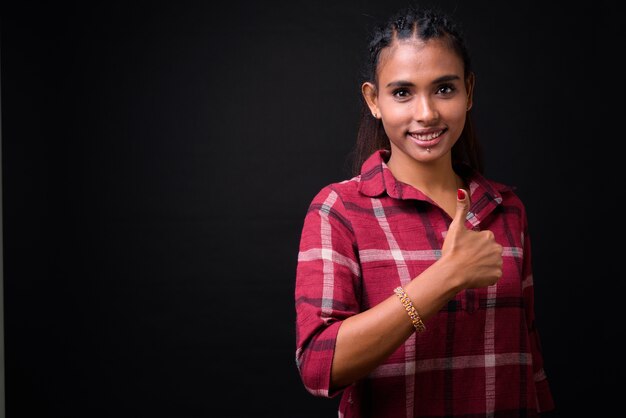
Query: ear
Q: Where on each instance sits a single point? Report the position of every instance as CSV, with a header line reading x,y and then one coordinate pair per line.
x,y
469,87
371,98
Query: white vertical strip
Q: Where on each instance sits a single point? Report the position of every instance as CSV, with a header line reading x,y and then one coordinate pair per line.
x,y
327,256
490,357
403,273
396,253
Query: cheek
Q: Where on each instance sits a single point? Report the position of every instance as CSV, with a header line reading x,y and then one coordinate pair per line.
x,y
455,109
456,115
460,117
396,114
396,125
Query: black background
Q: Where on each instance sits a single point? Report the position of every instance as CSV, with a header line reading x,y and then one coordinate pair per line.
x,y
158,160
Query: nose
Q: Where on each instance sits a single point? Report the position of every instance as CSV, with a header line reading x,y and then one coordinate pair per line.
x,y
426,110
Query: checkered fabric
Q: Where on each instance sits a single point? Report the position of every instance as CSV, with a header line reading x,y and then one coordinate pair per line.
x,y
480,355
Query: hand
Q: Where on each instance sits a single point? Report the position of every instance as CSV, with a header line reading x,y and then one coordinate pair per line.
x,y
475,256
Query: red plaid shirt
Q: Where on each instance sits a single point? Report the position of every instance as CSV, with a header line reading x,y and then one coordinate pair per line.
x,y
480,355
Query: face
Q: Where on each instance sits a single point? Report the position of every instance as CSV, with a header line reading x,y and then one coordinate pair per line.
x,y
422,98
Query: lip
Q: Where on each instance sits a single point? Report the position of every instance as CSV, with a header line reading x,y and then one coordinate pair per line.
x,y
430,142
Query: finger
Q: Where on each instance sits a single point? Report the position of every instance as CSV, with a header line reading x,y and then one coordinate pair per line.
x,y
462,207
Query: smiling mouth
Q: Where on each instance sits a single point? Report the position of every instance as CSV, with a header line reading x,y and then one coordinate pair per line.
x,y
427,136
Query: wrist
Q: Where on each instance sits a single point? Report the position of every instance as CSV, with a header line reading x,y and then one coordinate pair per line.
x,y
433,288
450,274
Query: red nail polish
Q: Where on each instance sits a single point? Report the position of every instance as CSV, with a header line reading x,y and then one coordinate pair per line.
x,y
460,194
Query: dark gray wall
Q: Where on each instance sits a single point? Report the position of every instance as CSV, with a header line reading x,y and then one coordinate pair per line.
x,y
158,159
2,397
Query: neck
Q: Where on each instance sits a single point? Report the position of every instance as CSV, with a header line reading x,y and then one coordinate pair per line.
x,y
432,178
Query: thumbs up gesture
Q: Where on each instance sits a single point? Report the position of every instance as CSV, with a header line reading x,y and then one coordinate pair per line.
x,y
475,256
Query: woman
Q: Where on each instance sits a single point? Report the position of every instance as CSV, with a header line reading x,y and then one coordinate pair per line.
x,y
414,287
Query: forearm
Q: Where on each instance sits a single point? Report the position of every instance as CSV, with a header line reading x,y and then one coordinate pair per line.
x,y
365,340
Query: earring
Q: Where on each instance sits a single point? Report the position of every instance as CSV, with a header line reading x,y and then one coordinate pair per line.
x,y
375,115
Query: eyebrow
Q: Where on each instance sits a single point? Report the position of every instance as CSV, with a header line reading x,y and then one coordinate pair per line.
x,y
442,79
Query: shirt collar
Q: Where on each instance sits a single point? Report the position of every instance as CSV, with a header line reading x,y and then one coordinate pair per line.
x,y
376,179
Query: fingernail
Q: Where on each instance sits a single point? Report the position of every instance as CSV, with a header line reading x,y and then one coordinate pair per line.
x,y
460,194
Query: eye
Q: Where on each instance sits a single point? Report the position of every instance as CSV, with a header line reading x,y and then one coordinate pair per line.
x,y
446,89
401,93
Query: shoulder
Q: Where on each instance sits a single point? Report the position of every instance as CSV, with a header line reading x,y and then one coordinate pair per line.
x,y
510,196
506,192
331,205
488,187
511,202
338,192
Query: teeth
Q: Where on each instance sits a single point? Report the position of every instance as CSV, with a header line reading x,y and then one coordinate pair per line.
x,y
427,137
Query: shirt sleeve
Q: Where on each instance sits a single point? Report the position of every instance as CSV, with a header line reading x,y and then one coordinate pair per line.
x,y
544,396
326,290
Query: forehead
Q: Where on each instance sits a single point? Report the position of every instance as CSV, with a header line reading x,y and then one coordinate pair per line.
x,y
408,59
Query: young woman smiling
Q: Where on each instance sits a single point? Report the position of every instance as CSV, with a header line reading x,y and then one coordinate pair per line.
x,y
414,287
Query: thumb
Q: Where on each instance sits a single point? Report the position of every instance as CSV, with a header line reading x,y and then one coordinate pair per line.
x,y
462,207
